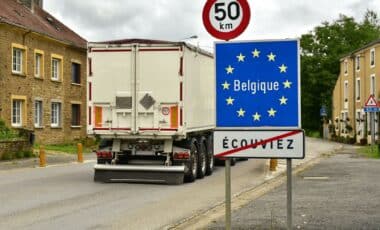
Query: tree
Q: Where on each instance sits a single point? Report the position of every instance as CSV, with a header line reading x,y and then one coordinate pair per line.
x,y
321,51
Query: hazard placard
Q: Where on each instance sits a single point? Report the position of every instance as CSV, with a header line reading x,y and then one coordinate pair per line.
x,y
259,144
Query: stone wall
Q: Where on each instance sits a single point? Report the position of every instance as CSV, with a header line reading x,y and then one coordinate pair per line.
x,y
14,146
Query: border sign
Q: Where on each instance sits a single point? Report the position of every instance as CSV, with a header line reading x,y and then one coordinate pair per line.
x,y
260,144
258,84
226,19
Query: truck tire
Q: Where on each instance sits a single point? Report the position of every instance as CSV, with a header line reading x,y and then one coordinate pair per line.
x,y
210,162
202,161
191,175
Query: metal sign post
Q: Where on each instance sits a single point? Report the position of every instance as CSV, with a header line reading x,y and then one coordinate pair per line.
x,y
228,194
372,117
289,193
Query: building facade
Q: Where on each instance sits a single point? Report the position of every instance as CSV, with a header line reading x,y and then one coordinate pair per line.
x,y
42,74
357,81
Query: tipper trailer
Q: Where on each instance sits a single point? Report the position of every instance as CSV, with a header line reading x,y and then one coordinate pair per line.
x,y
152,104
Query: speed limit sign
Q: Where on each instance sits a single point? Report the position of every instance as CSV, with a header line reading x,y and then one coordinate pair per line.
x,y
226,19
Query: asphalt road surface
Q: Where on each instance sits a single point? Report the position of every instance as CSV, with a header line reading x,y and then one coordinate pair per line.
x,y
341,192
65,197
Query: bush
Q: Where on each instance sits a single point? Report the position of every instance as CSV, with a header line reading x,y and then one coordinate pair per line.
x,y
5,132
7,156
19,155
313,133
29,154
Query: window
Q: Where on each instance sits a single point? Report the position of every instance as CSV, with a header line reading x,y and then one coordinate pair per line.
x,y
345,67
345,91
56,67
75,115
357,63
38,113
75,73
17,112
38,63
18,59
357,89
372,89
372,57
56,114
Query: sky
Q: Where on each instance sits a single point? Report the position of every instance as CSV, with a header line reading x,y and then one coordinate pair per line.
x,y
177,20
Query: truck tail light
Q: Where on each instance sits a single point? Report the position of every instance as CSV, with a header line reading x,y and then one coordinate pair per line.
x,y
104,154
181,155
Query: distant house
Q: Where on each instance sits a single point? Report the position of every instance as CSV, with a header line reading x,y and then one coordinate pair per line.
x,y
42,73
358,79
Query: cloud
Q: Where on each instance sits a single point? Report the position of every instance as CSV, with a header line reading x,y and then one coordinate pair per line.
x,y
105,20
177,19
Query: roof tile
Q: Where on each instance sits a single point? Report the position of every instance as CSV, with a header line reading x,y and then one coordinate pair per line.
x,y
14,13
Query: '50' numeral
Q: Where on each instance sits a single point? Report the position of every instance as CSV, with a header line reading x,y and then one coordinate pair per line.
x,y
232,11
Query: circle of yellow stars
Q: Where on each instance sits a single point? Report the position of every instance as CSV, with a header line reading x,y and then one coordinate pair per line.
x,y
286,84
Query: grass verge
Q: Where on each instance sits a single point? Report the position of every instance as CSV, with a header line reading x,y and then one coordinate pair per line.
x,y
64,148
368,152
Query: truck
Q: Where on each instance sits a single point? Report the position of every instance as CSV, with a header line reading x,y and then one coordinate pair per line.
x,y
151,103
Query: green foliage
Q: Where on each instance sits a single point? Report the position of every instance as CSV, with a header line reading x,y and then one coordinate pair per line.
x,y
7,156
64,148
17,155
369,152
5,132
313,133
322,49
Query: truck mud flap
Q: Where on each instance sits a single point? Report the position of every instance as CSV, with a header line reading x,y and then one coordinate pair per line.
x,y
139,174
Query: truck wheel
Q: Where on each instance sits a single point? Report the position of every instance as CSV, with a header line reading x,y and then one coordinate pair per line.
x,y
191,175
210,157
202,162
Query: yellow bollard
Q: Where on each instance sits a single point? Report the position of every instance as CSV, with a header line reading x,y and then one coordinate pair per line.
x,y
80,153
272,164
42,156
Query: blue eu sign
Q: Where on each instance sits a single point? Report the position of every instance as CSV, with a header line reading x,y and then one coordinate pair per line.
x,y
258,84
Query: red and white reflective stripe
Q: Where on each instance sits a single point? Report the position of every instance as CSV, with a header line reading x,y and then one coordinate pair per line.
x,y
157,129
90,66
113,129
152,49
89,115
90,91
110,50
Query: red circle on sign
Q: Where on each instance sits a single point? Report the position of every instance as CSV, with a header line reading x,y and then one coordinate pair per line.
x,y
165,110
231,34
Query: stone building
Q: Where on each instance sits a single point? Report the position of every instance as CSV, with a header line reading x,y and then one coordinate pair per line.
x,y
358,79
42,73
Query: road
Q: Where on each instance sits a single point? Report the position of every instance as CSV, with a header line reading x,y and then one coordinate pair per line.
x,y
65,197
